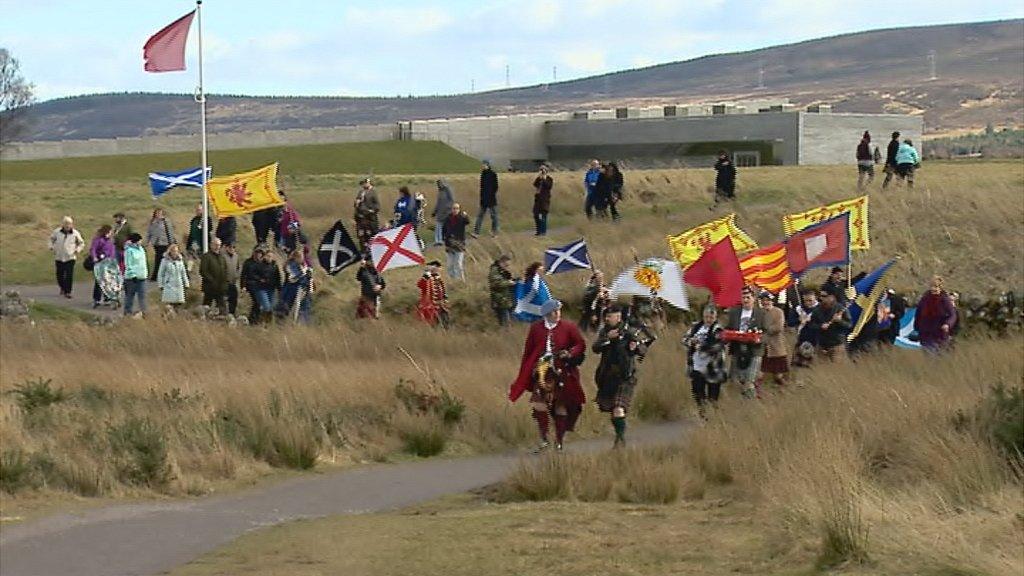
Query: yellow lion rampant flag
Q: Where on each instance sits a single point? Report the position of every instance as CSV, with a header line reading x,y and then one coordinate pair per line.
x,y
244,193
858,209
688,246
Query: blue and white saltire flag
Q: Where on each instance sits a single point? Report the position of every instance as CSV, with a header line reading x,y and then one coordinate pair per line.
x,y
161,182
572,256
907,337
869,289
530,296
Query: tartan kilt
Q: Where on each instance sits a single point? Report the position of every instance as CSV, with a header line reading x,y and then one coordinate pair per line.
x,y
622,397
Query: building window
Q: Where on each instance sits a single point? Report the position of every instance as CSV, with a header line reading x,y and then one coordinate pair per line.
x,y
746,158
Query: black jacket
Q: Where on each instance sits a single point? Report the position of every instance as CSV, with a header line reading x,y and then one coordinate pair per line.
x,y
890,152
725,179
542,198
488,188
618,363
227,230
835,334
368,277
603,191
453,232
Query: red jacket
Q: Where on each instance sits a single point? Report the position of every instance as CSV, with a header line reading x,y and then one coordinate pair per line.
x,y
565,336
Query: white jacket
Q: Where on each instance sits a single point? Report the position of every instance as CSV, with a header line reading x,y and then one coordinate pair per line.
x,y
66,245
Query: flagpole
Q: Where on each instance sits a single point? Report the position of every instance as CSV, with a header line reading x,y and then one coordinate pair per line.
x,y
201,98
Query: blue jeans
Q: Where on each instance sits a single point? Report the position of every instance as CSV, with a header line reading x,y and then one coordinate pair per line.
x,y
480,219
134,287
540,221
263,300
438,232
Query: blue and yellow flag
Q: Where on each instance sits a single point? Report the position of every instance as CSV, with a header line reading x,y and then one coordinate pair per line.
x,y
869,290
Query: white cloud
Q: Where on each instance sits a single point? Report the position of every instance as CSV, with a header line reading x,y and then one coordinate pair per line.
x,y
397,21
584,59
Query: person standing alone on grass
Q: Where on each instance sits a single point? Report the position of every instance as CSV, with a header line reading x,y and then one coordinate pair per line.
x,y
66,243
488,199
542,185
550,372
159,235
213,269
454,234
136,273
371,285
865,161
890,159
590,187
442,208
745,364
705,359
616,372
501,286
776,352
907,161
172,278
725,178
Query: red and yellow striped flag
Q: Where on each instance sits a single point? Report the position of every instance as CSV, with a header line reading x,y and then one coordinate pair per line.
x,y
767,268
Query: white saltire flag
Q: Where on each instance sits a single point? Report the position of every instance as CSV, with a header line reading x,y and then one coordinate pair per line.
x,y
572,256
337,250
530,296
161,182
653,277
395,248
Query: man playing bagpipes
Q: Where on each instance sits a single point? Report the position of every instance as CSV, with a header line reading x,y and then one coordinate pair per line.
x,y
743,331
550,372
621,346
433,305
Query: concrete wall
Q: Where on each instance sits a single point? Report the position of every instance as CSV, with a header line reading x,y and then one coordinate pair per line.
x,y
500,139
833,138
575,141
191,143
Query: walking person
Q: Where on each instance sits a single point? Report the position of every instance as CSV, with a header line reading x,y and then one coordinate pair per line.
x,y
705,359
367,208
442,208
488,199
159,235
618,182
725,178
297,291
213,269
371,285
907,162
172,278
405,209
233,269
745,355
542,185
454,235
935,317
806,332
432,307
136,273
66,243
596,298
549,370
890,159
101,249
590,186
501,286
621,350
776,351
865,161
832,323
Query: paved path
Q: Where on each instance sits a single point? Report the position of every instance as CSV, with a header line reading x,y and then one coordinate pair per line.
x,y
81,297
150,538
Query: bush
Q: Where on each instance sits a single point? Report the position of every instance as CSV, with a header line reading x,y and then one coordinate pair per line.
x,y
275,442
844,535
422,436
294,447
142,452
548,478
445,405
33,395
1001,417
15,471
651,484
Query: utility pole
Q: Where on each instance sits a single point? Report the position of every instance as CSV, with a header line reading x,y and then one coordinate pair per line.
x,y
472,85
554,73
760,76
508,76
931,65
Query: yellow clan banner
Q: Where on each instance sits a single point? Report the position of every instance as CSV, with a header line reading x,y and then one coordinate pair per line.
x,y
687,247
244,193
858,209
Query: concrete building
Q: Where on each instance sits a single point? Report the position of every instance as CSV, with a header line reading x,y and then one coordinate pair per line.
x,y
757,132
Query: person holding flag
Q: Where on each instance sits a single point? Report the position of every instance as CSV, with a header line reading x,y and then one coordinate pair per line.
x,y
531,294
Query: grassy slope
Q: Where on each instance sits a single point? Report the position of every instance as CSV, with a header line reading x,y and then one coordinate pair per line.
x,y
348,158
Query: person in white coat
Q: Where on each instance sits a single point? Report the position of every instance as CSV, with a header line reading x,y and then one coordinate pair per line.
x,y
172,277
66,243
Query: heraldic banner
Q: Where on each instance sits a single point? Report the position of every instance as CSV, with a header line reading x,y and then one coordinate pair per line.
x,y
857,208
243,193
687,247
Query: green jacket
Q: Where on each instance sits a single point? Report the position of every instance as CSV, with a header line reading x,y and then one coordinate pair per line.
x,y
213,269
500,284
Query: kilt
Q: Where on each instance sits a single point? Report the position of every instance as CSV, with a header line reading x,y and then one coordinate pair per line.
x,y
775,365
622,397
366,308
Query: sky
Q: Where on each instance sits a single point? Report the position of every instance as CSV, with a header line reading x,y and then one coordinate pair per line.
x,y
421,47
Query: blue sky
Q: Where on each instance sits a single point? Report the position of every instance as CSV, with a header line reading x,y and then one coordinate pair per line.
x,y
365,48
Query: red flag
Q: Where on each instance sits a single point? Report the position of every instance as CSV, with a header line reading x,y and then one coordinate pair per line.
x,y
165,50
824,244
718,270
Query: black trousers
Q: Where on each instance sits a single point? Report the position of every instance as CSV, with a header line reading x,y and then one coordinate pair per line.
x,y
232,298
704,391
158,256
65,275
217,299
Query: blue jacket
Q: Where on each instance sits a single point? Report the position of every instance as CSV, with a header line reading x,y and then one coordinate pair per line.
x,y
405,211
590,180
907,155
135,262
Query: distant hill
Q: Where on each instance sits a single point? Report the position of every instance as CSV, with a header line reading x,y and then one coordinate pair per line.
x,y
980,81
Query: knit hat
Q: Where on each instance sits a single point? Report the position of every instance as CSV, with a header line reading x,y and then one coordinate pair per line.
x,y
550,306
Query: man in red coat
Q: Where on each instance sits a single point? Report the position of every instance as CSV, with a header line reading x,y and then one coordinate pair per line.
x,y
550,372
433,305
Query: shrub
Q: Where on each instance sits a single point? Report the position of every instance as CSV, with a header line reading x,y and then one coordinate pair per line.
x,y
294,447
35,394
142,450
1001,417
15,471
423,436
650,483
548,478
93,397
844,535
445,405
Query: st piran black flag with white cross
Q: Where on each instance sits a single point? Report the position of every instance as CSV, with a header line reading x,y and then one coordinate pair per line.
x,y
337,250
